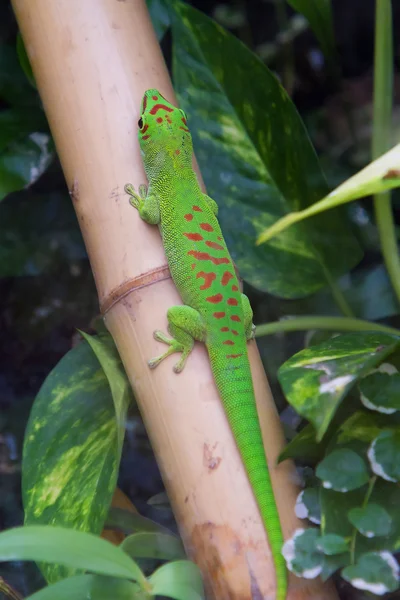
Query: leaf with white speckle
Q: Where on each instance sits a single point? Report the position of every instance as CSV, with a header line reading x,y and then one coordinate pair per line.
x,y
384,455
376,572
332,544
380,391
308,506
302,555
342,470
371,520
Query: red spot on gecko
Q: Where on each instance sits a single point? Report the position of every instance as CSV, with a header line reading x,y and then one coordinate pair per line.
x,y
224,328
159,119
234,332
232,302
195,237
235,288
228,343
219,315
193,265
216,299
145,128
184,129
235,318
158,107
197,208
233,355
145,137
205,256
208,279
188,217
184,121
155,97
220,238
177,152
226,277
206,226
214,245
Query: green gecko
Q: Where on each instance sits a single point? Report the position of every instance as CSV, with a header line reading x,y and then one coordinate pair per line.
x,y
214,310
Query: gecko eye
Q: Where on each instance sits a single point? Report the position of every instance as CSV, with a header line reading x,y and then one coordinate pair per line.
x,y
140,123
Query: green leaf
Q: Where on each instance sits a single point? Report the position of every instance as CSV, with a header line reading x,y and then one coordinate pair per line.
x,y
308,505
342,470
380,175
371,520
362,426
334,508
24,60
130,522
380,391
302,555
107,355
256,159
376,572
384,455
303,447
76,549
180,579
332,544
82,587
148,544
316,380
319,14
159,14
71,452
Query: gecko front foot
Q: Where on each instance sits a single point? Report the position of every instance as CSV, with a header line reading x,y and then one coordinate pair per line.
x,y
136,199
174,346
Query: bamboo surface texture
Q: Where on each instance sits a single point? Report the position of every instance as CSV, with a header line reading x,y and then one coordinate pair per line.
x,y
92,60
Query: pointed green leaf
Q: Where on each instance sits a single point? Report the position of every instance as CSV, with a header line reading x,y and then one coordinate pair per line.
x,y
316,380
384,455
150,544
180,580
371,520
343,470
76,549
130,522
319,14
71,452
256,159
376,572
83,587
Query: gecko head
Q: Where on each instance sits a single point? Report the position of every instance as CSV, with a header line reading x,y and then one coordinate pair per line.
x,y
163,130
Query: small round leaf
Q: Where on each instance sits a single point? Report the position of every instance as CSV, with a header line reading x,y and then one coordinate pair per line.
x,y
302,555
332,544
342,470
384,455
380,391
308,505
376,572
371,520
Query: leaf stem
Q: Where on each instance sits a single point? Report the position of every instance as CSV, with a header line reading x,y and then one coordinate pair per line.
x,y
327,323
371,484
383,100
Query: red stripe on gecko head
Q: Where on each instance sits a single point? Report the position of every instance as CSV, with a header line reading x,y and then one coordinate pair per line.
x,y
215,299
219,315
158,107
184,121
184,129
228,343
235,288
145,137
214,245
205,256
144,103
197,208
232,302
234,332
188,217
145,128
233,355
195,237
208,279
226,277
235,318
206,226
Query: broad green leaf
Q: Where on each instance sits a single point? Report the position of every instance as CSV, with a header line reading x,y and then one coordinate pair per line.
x,y
317,379
149,544
110,588
319,14
384,455
362,426
131,522
95,587
376,572
308,505
302,555
180,579
158,10
334,508
24,60
75,549
15,89
380,391
107,355
380,175
256,159
71,451
387,495
303,447
371,520
343,470
332,544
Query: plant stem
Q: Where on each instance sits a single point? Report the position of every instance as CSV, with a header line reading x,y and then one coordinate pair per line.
x,y
371,484
327,323
383,99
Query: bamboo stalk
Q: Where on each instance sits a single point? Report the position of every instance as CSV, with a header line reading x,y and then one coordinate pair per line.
x,y
92,60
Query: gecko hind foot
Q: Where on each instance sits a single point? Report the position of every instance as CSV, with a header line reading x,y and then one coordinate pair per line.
x,y
135,199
